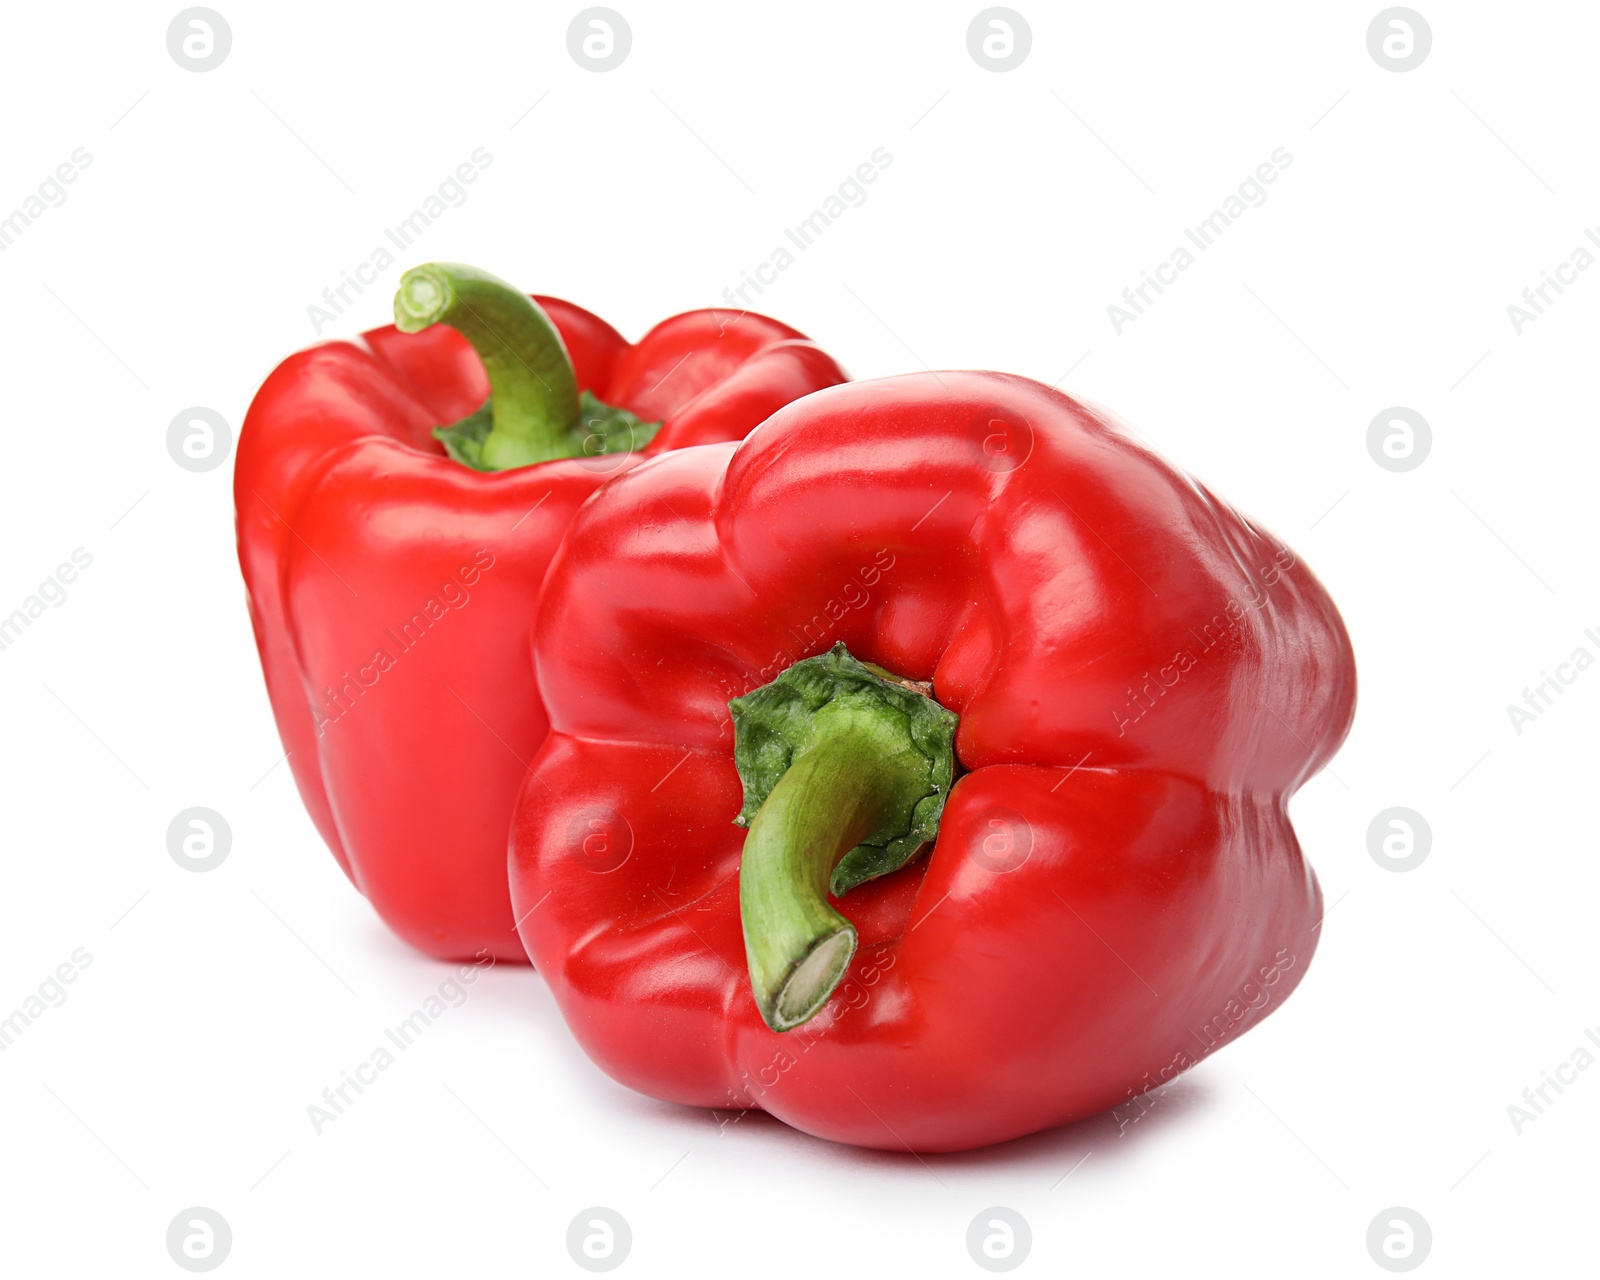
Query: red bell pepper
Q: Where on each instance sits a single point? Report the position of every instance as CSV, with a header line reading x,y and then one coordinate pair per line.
x,y
1134,679
391,586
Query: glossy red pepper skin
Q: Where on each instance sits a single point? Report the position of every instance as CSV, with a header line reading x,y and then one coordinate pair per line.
x,y
359,538
1115,890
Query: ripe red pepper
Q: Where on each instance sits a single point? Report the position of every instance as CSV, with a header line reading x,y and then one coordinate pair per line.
x,y
391,586
1136,679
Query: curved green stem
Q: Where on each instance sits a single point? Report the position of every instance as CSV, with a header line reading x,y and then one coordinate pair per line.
x,y
533,393
845,778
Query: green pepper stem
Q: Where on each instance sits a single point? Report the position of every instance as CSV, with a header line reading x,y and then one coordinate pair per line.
x,y
533,391
860,774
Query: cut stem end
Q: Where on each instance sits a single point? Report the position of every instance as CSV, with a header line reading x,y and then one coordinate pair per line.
x,y
812,981
422,300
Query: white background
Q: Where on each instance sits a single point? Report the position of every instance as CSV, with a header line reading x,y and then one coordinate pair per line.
x,y
219,205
